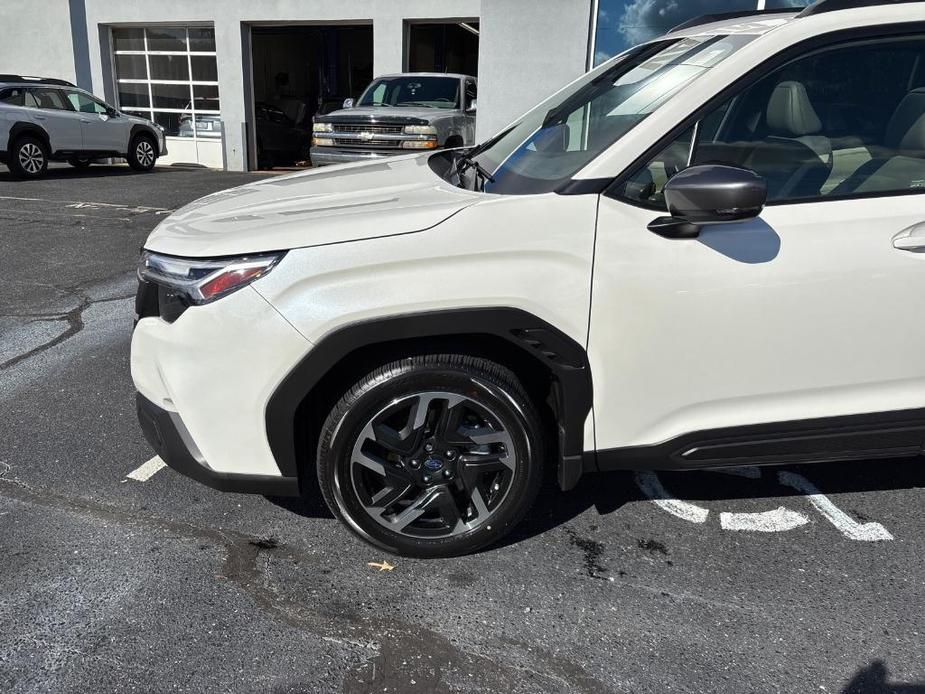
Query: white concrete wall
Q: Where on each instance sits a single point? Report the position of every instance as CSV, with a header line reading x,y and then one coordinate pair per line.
x,y
528,49
42,48
231,18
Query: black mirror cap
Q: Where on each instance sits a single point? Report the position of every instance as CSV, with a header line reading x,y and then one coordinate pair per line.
x,y
715,193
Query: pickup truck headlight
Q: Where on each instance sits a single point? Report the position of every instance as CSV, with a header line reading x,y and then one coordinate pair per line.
x,y
322,142
420,130
323,128
200,280
419,144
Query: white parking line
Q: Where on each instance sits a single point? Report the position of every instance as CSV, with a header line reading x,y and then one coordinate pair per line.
x,y
147,471
652,487
776,521
847,526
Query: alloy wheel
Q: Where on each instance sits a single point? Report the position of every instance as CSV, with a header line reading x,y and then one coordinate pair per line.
x,y
432,464
31,158
144,153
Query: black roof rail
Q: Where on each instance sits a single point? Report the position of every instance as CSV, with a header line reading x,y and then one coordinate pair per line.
x,y
37,80
822,6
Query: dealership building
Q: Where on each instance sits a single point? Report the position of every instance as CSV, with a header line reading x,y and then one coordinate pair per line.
x,y
200,69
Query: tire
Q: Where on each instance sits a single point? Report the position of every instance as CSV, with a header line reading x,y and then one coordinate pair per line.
x,y
28,157
78,163
142,153
477,482
453,141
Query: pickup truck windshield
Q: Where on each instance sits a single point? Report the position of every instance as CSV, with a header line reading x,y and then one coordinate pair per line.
x,y
567,131
427,92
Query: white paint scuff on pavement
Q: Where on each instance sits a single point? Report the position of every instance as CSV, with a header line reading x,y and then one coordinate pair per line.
x,y
847,526
147,471
652,487
776,521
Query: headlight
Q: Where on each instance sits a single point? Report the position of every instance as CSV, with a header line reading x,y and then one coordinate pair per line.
x,y
200,281
420,130
323,128
322,142
419,144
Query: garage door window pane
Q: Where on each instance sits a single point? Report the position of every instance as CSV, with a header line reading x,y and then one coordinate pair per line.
x,y
170,122
131,67
169,67
206,97
167,39
133,95
128,39
170,95
204,68
201,39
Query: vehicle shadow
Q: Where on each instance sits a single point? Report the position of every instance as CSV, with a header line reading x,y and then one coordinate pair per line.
x,y
608,492
873,679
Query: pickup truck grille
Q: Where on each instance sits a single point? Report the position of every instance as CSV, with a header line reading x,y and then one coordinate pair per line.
x,y
367,128
368,144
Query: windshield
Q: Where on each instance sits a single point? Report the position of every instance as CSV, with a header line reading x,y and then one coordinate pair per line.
x,y
427,92
570,129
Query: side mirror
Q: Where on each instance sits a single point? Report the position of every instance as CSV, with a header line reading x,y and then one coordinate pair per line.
x,y
348,103
709,194
473,105
112,113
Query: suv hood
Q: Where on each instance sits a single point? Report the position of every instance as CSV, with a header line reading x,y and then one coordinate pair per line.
x,y
331,205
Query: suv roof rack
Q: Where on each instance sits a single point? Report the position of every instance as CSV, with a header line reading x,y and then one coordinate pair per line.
x,y
822,6
37,80
722,16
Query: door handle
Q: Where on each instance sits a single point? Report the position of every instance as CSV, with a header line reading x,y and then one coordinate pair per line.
x,y
40,117
911,238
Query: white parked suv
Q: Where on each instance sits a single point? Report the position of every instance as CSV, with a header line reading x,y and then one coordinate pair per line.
x,y
44,120
706,252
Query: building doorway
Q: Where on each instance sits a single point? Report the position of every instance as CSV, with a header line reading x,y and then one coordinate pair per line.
x,y
299,71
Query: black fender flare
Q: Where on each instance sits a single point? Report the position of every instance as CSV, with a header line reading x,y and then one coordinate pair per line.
x,y
139,129
25,128
564,358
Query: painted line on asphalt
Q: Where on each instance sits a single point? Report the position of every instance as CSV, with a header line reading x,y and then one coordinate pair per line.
x,y
776,521
80,205
652,487
847,526
145,472
780,519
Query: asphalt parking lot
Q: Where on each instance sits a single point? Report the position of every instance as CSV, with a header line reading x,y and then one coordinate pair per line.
x,y
115,578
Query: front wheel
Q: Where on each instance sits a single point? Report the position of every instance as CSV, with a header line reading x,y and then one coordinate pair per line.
x,y
28,157
432,456
142,153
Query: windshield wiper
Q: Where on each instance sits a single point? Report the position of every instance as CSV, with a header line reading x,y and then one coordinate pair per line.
x,y
466,160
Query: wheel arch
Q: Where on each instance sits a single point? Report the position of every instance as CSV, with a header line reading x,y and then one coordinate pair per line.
x,y
139,129
21,128
552,367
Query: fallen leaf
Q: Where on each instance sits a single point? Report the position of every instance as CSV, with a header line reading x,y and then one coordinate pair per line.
x,y
381,565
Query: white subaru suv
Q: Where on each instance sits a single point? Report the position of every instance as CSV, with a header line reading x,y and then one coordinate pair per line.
x,y
704,253
44,119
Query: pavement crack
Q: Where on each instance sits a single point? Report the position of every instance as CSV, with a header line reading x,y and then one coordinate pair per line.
x,y
74,319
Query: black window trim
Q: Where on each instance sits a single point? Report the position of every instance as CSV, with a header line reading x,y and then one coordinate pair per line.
x,y
614,191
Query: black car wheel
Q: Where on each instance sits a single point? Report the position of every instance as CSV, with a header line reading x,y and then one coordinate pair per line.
x,y
79,163
142,153
432,456
28,157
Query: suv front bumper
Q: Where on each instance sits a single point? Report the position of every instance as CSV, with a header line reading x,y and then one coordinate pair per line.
x,y
168,436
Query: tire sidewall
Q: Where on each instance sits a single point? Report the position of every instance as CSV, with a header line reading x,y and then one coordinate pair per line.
x,y
16,168
133,153
334,453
